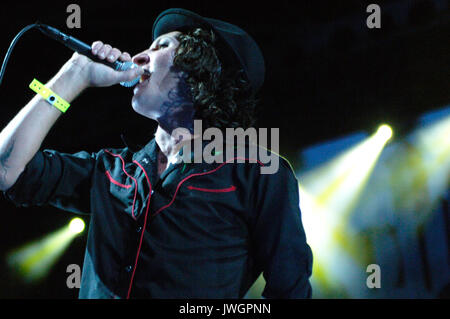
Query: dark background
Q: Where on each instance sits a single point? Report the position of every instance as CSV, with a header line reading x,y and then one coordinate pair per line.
x,y
327,75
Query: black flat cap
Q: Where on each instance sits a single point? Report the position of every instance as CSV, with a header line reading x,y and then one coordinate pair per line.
x,y
238,45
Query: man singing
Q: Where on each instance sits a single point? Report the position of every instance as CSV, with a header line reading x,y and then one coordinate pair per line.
x,y
161,227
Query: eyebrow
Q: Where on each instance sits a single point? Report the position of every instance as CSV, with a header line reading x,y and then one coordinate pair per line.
x,y
166,37
162,37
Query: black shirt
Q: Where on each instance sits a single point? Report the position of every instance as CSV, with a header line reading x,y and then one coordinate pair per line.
x,y
197,231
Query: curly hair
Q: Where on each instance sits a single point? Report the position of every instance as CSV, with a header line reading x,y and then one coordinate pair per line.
x,y
221,94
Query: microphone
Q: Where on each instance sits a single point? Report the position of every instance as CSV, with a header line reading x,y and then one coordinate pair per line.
x,y
84,49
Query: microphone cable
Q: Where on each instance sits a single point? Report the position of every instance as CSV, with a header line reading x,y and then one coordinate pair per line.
x,y
118,65
11,47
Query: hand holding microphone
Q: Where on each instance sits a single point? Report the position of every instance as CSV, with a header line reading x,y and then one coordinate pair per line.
x,y
106,65
96,74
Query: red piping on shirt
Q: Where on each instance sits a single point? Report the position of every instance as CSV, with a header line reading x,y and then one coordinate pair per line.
x,y
164,207
116,182
143,229
221,190
134,180
198,174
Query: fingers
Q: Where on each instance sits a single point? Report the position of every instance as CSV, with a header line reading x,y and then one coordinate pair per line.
x,y
105,51
96,46
125,56
130,74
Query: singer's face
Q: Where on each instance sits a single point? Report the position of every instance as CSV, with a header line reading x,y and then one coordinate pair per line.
x,y
152,95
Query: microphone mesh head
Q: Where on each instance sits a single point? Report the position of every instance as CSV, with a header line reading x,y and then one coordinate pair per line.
x,y
125,66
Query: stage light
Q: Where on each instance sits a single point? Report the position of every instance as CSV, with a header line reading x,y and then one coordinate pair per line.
x,y
336,198
328,196
33,261
384,132
76,225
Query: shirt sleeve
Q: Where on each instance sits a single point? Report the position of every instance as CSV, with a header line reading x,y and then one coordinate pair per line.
x,y
278,236
56,179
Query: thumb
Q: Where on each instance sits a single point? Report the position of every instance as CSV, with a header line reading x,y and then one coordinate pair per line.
x,y
131,74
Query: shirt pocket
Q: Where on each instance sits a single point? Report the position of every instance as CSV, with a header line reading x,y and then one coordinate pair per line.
x,y
124,192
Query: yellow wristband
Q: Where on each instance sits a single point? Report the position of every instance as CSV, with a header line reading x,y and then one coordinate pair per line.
x,y
49,96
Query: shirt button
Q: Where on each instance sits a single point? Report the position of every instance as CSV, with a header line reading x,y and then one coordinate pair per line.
x,y
139,229
152,191
128,268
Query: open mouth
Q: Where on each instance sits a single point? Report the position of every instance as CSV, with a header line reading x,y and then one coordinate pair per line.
x,y
145,77
143,81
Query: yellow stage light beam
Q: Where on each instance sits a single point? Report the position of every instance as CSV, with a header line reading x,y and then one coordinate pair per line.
x,y
417,172
327,196
363,160
337,183
33,261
